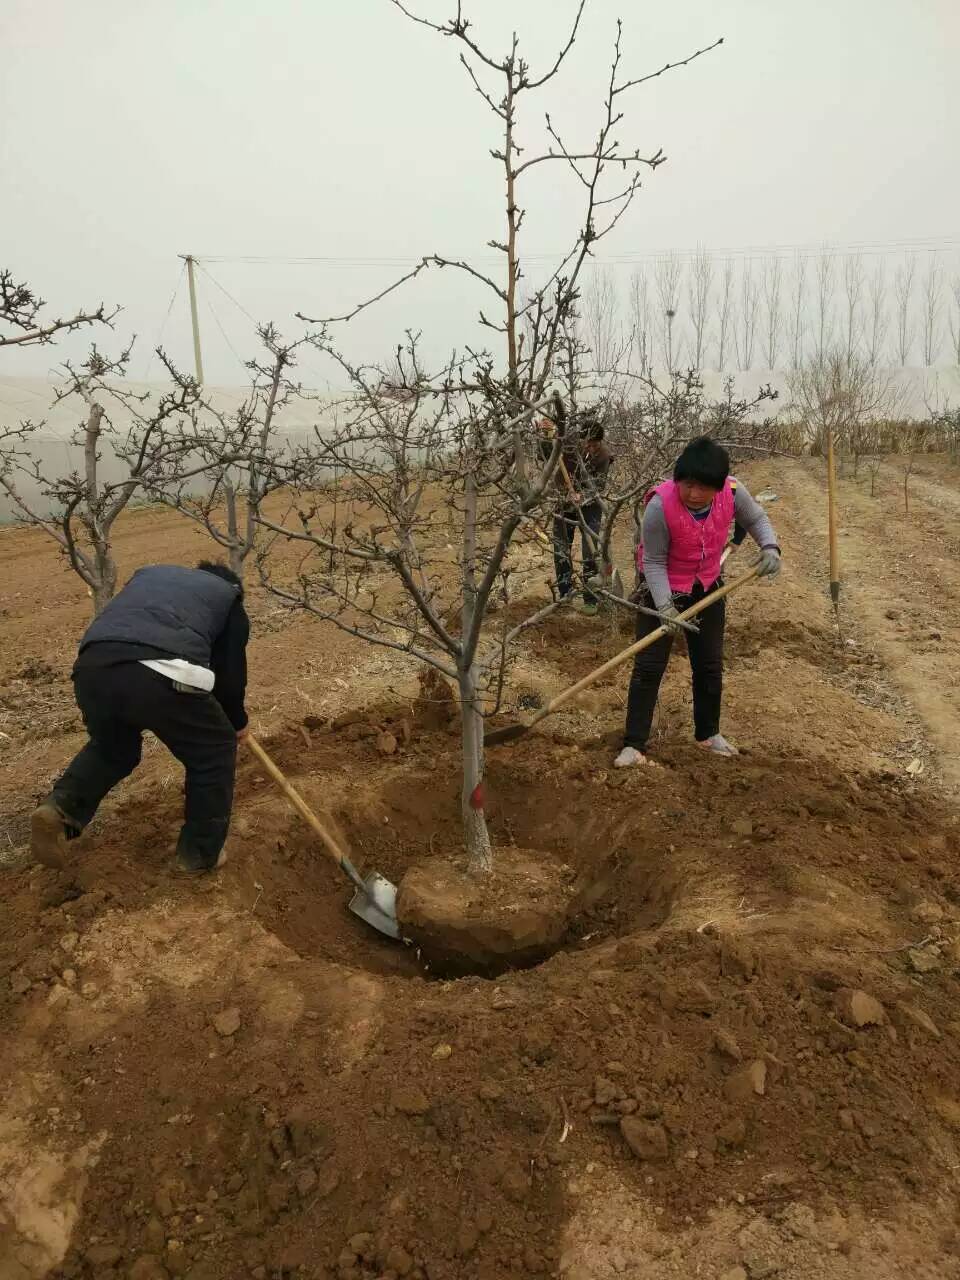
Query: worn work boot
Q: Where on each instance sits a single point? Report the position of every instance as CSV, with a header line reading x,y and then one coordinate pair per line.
x,y
194,864
49,832
719,746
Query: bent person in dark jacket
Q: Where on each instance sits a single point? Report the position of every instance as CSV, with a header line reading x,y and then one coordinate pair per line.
x,y
167,654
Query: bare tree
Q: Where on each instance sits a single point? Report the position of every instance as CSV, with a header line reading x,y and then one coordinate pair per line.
x,y
242,461
21,324
932,311
798,309
79,509
460,455
746,334
772,310
824,299
955,319
847,398
642,353
668,275
853,298
600,324
878,319
725,315
903,291
698,299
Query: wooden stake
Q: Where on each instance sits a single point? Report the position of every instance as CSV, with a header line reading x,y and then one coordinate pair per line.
x,y
832,526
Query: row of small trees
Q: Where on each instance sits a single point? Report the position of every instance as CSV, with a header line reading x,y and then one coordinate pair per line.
x,y
729,315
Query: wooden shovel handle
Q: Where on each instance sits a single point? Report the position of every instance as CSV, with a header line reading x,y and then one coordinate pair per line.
x,y
832,512
298,802
555,703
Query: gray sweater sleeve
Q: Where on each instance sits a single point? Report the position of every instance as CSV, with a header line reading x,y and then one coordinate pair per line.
x,y
749,514
656,544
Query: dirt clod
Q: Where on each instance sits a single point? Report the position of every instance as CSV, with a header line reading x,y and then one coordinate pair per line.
x,y
646,1141
858,1009
749,1082
227,1022
410,1101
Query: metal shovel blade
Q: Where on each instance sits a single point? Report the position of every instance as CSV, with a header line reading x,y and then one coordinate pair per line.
x,y
376,903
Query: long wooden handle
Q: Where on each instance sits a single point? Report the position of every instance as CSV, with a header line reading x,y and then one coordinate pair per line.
x,y
298,802
555,703
832,518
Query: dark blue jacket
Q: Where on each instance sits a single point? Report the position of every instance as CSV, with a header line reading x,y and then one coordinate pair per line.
x,y
176,610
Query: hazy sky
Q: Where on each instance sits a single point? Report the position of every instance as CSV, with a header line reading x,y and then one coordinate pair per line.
x,y
131,132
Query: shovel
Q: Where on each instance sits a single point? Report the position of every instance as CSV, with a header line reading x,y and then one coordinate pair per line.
x,y
376,898
511,732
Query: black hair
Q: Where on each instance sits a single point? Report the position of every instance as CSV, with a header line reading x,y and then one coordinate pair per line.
x,y
221,570
705,461
591,428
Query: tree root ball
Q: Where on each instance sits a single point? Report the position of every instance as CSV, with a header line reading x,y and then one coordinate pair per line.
x,y
512,917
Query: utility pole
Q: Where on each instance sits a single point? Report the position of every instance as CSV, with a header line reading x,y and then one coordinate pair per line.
x,y
189,260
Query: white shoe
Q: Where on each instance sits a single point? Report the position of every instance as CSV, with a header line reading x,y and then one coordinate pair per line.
x,y
629,757
719,746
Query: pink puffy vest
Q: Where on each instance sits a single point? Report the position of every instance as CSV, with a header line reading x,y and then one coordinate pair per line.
x,y
695,545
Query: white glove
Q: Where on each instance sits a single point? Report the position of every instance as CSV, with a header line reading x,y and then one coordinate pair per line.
x,y
769,562
668,616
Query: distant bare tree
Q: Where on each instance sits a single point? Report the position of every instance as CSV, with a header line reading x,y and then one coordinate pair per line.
x,y
955,319
600,323
932,311
846,397
669,270
725,315
824,299
798,309
21,324
853,298
699,287
78,510
772,310
878,319
746,333
242,461
642,334
903,291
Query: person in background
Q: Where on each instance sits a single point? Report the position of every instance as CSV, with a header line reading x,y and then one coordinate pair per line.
x,y
587,468
167,654
686,524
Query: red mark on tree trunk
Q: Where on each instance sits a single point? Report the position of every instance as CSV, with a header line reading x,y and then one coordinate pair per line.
x,y
478,796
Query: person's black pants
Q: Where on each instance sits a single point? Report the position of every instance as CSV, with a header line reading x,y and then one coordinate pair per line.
x,y
565,525
706,664
118,703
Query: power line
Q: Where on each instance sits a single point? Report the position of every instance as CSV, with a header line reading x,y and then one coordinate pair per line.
x,y
225,292
223,331
807,249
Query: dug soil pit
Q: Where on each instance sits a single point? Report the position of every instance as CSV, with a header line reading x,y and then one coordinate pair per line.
x,y
509,918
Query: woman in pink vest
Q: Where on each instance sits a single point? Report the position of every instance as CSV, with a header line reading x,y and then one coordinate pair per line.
x,y
686,525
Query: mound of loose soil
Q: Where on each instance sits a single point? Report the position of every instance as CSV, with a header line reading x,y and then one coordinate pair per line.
x,y
513,916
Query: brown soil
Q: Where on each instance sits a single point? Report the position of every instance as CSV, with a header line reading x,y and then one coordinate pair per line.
x,y
509,918
741,1060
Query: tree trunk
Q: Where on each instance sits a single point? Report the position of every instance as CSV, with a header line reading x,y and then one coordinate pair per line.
x,y
105,587
235,558
476,838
